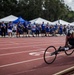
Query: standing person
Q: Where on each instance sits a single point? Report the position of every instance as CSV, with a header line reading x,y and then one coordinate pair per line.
x,y
29,30
14,30
25,30
52,32
19,27
67,28
9,29
43,33
33,30
56,28
60,29
64,30
3,29
47,29
37,30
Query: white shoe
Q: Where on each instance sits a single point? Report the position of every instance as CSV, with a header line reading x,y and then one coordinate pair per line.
x,y
67,48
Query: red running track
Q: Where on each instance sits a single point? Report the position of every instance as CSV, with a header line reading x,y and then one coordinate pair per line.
x,y
24,56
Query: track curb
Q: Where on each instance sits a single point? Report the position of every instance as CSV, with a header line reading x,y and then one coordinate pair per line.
x,y
63,72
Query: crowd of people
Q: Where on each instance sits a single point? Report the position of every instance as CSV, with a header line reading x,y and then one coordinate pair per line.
x,y
35,30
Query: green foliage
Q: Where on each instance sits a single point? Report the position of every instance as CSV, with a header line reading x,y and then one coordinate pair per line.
x,y
30,9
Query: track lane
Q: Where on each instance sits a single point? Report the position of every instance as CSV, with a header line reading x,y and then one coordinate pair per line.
x,y
34,65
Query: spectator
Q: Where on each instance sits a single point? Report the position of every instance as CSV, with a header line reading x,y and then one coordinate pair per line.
x,y
64,30
43,33
25,30
3,29
9,29
37,30
33,30
29,30
47,29
19,29
60,29
14,30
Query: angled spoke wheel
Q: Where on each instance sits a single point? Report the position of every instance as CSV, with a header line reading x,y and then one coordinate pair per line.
x,y
48,57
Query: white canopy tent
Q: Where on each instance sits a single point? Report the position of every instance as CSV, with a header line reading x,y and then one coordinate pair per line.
x,y
60,22
39,21
8,18
72,24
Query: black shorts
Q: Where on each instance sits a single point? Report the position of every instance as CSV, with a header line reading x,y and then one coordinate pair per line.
x,y
42,31
14,30
25,30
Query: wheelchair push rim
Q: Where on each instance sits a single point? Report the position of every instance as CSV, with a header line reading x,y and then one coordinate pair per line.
x,y
48,58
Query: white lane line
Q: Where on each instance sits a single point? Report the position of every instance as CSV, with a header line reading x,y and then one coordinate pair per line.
x,y
22,72
21,52
40,49
11,43
2,66
22,46
26,61
28,42
28,46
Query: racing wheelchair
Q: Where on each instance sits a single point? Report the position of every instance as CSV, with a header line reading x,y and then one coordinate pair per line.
x,y
51,53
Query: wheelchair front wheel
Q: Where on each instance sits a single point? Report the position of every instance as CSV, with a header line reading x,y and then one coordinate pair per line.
x,y
69,52
48,58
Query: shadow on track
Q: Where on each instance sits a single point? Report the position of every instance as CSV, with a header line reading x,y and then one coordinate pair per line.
x,y
60,61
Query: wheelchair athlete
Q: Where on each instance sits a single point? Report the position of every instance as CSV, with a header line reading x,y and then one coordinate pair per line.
x,y
70,39
69,43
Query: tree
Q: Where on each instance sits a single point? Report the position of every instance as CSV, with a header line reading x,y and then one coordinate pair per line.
x,y
30,9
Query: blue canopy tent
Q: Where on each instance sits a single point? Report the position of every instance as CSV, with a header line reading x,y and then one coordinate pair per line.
x,y
20,19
